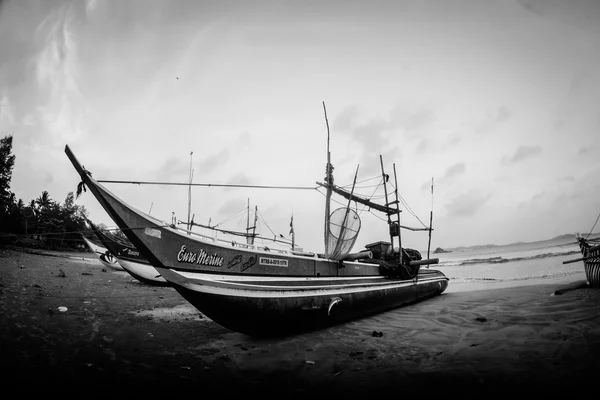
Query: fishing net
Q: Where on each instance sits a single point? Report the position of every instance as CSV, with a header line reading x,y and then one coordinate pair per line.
x,y
344,224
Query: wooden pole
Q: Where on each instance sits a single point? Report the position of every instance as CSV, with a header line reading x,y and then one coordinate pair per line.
x,y
388,215
343,226
189,226
254,226
581,259
248,239
329,184
430,219
293,231
399,226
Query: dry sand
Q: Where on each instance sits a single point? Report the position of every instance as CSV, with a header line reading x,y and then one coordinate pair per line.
x,y
120,336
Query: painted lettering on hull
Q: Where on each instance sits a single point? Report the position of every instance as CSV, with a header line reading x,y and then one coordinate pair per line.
x,y
200,258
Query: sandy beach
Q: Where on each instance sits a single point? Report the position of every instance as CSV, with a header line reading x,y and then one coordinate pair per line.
x,y
119,336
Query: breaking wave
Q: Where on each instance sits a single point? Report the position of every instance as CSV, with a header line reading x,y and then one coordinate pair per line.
x,y
502,260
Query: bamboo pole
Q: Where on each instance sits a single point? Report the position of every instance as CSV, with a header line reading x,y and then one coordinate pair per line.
x,y
329,183
398,213
189,226
581,259
430,219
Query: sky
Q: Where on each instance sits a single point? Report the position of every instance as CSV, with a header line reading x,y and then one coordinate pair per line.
x,y
495,102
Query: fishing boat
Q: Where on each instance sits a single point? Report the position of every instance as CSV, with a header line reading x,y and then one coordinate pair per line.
x,y
591,261
104,255
129,257
262,291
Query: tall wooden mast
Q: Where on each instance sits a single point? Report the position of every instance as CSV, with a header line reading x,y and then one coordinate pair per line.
x,y
430,219
250,236
329,182
189,224
398,217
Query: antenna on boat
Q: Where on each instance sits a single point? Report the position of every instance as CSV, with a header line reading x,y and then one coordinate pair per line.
x,y
430,219
189,225
329,181
149,211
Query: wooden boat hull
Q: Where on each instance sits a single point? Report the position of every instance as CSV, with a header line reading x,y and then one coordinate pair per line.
x,y
273,308
105,257
130,259
256,290
591,262
143,272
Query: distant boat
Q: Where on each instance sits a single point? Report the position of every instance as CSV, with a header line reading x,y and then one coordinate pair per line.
x,y
591,261
105,257
260,291
129,257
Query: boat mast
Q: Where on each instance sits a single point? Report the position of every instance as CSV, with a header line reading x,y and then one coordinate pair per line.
x,y
385,179
248,238
292,231
329,182
430,219
189,225
254,227
398,215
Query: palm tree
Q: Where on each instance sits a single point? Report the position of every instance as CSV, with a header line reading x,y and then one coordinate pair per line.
x,y
44,201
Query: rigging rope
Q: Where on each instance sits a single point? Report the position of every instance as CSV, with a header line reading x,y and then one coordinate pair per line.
x,y
211,185
591,230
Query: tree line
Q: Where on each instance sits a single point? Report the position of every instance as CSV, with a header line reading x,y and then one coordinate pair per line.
x,y
42,222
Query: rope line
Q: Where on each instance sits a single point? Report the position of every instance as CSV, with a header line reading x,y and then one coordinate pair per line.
x,y
212,185
591,230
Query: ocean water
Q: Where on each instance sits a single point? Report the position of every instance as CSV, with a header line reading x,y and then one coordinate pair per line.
x,y
517,262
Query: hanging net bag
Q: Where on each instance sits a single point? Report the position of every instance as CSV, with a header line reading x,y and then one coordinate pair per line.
x,y
344,224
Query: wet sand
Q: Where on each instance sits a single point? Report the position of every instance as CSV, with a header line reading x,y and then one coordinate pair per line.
x,y
120,336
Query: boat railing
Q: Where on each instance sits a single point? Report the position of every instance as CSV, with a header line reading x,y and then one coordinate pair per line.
x,y
245,245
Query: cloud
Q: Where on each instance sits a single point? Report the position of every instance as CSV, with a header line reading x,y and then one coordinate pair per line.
x,y
522,153
492,120
453,139
583,14
90,6
57,73
422,146
239,179
454,170
411,121
426,185
231,207
371,131
346,119
585,150
175,168
568,178
7,116
211,162
467,204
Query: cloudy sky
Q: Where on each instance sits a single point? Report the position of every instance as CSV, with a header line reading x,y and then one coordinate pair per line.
x,y
496,101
